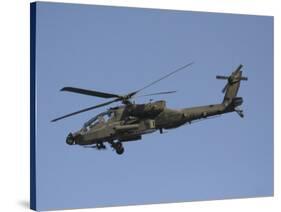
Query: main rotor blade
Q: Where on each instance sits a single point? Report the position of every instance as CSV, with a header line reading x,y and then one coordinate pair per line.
x,y
159,93
90,92
84,110
167,75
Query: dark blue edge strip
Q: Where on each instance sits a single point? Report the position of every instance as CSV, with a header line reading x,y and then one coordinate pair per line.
x,y
32,106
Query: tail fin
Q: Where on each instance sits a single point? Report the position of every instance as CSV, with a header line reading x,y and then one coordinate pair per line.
x,y
231,89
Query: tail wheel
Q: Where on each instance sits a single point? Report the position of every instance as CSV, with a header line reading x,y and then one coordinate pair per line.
x,y
70,139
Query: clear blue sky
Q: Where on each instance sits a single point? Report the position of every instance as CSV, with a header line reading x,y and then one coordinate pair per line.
x,y
122,49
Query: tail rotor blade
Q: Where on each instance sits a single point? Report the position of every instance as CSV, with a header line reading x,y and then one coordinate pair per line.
x,y
244,78
225,87
221,77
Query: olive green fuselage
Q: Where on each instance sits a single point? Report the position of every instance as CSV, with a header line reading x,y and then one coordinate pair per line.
x,y
128,128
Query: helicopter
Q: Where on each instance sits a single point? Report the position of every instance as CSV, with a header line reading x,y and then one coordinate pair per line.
x,y
129,121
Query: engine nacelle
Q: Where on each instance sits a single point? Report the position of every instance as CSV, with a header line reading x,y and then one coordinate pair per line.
x,y
146,110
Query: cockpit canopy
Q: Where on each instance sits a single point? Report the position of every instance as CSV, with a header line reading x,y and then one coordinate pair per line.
x,y
98,119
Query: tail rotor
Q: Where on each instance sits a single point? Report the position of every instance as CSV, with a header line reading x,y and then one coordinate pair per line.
x,y
231,101
235,77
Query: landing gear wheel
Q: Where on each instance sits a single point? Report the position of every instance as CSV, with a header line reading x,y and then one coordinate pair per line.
x,y
70,139
119,148
120,151
118,145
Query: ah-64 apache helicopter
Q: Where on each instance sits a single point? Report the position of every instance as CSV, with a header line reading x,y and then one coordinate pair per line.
x,y
128,122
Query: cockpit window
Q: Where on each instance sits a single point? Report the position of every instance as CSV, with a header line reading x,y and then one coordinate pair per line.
x,y
98,119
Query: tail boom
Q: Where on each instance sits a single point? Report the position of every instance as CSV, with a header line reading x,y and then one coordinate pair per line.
x,y
230,101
